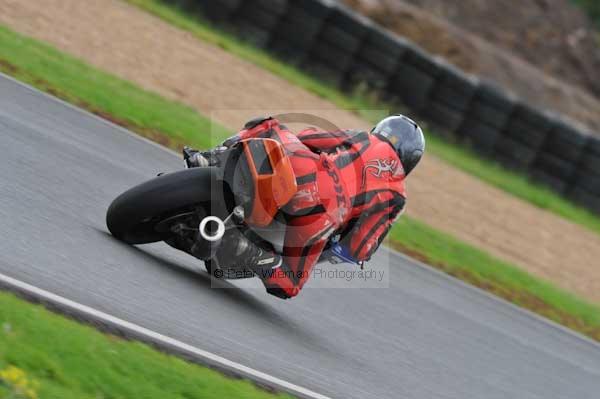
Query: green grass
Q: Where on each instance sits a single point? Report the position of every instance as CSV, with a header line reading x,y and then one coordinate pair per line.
x,y
513,183
592,8
228,42
456,155
27,58
491,274
68,78
70,360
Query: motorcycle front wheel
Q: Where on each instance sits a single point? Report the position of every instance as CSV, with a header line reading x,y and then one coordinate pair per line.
x,y
132,217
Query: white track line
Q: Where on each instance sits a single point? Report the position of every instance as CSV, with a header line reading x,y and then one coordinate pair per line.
x,y
428,268
163,342
130,330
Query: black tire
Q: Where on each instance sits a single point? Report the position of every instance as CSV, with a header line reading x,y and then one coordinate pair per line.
x,y
382,51
132,216
322,71
589,181
510,163
542,120
363,73
287,40
566,141
481,136
556,166
298,20
341,39
491,106
454,89
345,19
419,59
254,34
551,182
219,12
263,19
378,59
514,154
585,198
523,132
383,42
593,146
228,5
443,116
488,113
282,49
591,162
332,57
496,96
316,8
411,86
275,6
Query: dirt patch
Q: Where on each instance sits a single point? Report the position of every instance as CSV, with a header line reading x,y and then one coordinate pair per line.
x,y
512,294
555,36
151,134
133,45
546,54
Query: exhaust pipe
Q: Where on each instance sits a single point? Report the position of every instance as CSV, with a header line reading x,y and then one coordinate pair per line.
x,y
215,235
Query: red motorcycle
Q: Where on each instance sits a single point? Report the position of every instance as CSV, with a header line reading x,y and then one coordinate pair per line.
x,y
192,209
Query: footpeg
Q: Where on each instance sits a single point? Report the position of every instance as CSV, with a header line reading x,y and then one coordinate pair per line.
x,y
212,235
212,229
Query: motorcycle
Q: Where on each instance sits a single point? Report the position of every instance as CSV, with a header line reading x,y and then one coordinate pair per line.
x,y
192,210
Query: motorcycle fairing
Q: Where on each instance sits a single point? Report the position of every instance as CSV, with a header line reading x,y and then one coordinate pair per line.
x,y
273,176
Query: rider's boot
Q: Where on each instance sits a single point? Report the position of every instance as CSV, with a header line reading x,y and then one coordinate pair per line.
x,y
246,254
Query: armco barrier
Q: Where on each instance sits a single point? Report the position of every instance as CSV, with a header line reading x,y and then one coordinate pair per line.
x,y
337,45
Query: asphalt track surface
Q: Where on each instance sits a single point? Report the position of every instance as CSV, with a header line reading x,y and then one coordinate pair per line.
x,y
424,336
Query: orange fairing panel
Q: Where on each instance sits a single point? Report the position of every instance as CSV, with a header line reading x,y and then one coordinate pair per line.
x,y
275,182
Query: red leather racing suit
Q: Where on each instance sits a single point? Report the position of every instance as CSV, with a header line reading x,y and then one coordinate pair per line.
x,y
350,183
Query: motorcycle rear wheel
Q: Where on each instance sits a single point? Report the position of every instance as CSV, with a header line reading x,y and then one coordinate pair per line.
x,y
133,215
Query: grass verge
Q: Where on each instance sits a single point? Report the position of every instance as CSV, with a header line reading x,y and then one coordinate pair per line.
x,y
591,8
59,74
500,278
73,361
460,157
70,360
38,64
115,99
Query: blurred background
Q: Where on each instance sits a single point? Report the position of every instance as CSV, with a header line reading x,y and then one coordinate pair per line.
x,y
507,198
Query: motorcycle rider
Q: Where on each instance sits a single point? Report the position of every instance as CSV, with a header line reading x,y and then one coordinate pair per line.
x,y
350,186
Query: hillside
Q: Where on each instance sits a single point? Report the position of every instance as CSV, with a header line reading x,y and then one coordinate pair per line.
x,y
546,52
